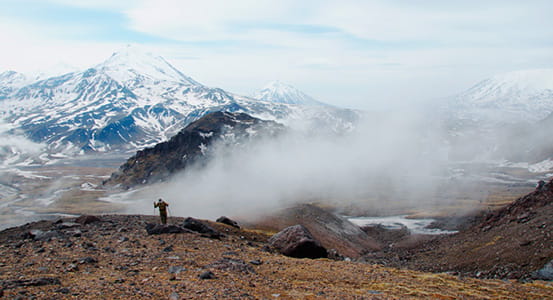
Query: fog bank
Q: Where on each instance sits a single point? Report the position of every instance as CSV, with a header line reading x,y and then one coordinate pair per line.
x,y
397,158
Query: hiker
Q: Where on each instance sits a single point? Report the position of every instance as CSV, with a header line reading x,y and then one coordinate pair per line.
x,y
162,210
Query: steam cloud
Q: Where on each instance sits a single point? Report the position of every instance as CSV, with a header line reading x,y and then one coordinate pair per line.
x,y
385,160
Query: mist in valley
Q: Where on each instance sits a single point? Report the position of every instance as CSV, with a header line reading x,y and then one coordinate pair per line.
x,y
390,161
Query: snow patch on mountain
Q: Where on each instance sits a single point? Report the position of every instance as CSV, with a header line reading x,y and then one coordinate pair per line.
x,y
11,81
134,100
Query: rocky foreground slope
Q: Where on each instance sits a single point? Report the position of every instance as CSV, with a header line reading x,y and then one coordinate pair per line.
x,y
114,257
515,241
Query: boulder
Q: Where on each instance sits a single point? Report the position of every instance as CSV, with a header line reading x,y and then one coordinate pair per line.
x,y
226,220
176,269
163,228
331,230
297,241
200,227
66,225
207,275
44,236
16,283
545,273
87,219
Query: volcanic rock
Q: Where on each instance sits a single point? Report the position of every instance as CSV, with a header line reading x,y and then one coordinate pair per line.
x,y
200,227
190,146
87,219
88,260
226,220
163,228
545,273
297,241
176,269
39,235
207,275
66,225
137,269
331,230
7,284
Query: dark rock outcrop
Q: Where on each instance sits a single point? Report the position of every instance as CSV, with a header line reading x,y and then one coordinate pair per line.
x,y
297,241
200,227
207,275
545,273
161,229
8,284
40,235
87,219
226,220
331,230
191,146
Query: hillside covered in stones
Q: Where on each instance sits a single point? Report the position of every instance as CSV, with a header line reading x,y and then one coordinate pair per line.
x,y
114,257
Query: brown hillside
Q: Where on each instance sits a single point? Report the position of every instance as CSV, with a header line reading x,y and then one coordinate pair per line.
x,y
116,259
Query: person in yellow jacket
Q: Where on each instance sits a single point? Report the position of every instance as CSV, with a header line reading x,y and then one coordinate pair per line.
x,y
162,205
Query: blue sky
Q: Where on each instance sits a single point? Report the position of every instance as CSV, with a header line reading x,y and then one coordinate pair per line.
x,y
361,54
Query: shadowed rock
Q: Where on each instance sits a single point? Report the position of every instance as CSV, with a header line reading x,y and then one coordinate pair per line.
x,y
9,284
331,230
297,241
45,236
545,273
161,229
226,220
87,219
200,227
207,275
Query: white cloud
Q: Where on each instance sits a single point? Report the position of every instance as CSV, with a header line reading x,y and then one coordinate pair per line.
x,y
377,50
468,21
97,4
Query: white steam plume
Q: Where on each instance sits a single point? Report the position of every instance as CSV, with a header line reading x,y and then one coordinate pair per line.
x,y
391,159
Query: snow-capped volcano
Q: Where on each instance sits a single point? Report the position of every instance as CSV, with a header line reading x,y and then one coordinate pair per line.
x,y
279,92
131,66
128,102
521,96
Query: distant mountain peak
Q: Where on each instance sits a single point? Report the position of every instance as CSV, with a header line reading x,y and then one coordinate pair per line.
x,y
131,62
280,92
533,79
519,96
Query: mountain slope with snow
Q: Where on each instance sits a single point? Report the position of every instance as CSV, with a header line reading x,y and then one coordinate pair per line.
x,y
521,96
279,92
131,101
9,82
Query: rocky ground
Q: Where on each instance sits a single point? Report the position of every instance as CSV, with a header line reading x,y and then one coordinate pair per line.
x,y
512,242
115,258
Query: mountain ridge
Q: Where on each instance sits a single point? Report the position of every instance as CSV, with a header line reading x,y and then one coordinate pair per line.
x,y
192,145
131,101
512,97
